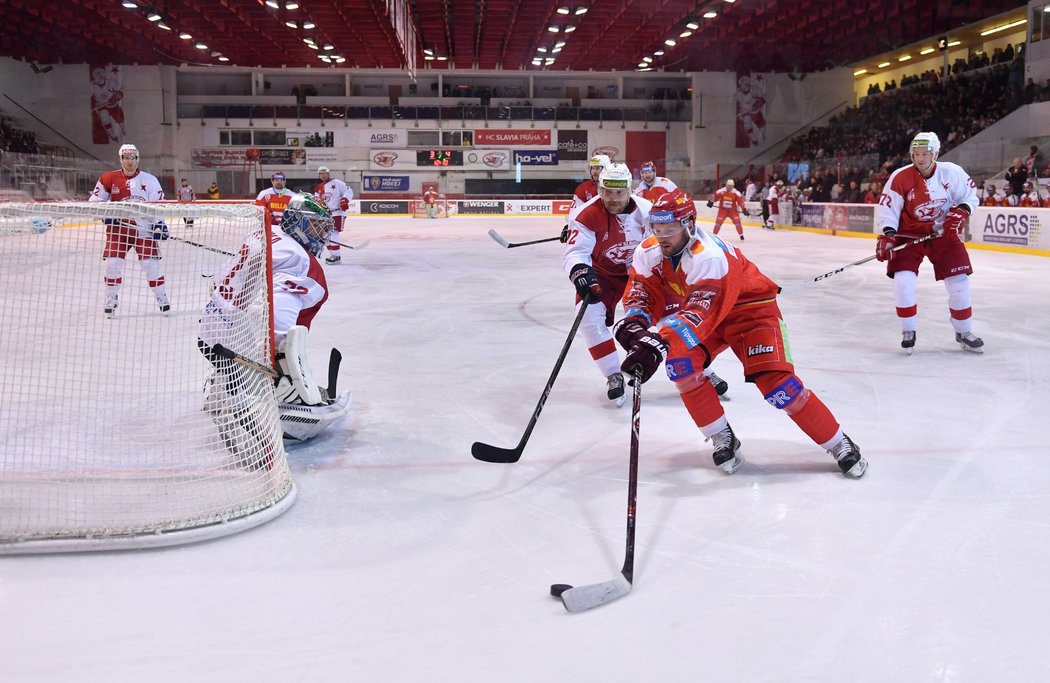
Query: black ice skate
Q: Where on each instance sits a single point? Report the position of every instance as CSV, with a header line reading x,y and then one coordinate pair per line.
x,y
614,386
721,386
848,456
334,259
970,342
908,342
727,450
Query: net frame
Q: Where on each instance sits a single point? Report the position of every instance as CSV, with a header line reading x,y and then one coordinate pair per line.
x,y
182,478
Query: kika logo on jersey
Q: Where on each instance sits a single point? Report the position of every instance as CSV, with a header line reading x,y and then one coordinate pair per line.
x,y
758,350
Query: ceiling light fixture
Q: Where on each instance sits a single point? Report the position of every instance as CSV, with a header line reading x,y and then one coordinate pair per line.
x,y
954,43
555,50
442,58
541,49
312,46
223,59
563,10
185,36
328,46
860,72
429,58
642,65
308,41
569,29
884,65
560,43
581,11
201,46
553,29
903,58
658,53
291,5
308,24
154,16
710,15
292,24
685,34
1004,27
692,25
163,26
273,4
647,59
340,60
129,4
428,51
670,42
926,51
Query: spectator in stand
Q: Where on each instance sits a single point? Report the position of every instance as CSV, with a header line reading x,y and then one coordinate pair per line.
x,y
1016,176
213,191
874,190
1033,161
852,194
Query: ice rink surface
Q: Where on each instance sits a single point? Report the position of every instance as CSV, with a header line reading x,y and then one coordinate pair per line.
x,y
404,559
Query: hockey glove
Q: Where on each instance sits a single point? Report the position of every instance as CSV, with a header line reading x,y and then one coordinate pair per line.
x,y
648,352
628,331
955,219
747,213
344,204
159,231
585,280
564,237
710,204
884,245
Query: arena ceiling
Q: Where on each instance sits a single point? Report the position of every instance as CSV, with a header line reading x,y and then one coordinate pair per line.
x,y
765,35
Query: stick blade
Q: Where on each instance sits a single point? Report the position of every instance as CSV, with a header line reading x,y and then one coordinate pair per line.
x,y
499,239
221,350
583,598
487,453
362,245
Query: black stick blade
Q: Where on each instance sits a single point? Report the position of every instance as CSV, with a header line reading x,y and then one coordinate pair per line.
x,y
486,453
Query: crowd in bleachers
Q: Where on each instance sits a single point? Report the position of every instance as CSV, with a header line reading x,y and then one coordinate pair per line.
x,y
13,139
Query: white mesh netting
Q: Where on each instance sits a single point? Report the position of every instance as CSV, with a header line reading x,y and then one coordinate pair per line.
x,y
118,431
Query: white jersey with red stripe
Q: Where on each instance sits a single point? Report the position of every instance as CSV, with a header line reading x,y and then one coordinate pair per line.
x,y
915,206
115,186
299,289
659,186
603,240
331,192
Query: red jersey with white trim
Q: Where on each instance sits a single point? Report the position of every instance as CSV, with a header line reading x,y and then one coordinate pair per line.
x,y
915,206
1030,199
603,240
585,192
659,186
114,186
331,192
997,199
430,196
276,201
710,279
299,289
728,200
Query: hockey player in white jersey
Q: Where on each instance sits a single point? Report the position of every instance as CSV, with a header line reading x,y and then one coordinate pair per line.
x,y
333,193
299,289
928,197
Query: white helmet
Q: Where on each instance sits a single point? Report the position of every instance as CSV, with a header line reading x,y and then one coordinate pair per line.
x,y
730,183
928,140
130,150
322,169
601,160
615,177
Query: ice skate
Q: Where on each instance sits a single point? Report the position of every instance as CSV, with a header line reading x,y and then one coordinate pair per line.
x,y
110,307
163,303
970,342
334,259
727,450
721,386
614,386
848,456
741,238
908,341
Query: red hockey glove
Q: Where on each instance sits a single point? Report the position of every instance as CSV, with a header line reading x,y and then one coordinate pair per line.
x,y
884,246
648,353
344,204
955,220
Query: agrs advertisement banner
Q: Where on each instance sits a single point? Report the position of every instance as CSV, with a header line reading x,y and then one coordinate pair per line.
x,y
1020,227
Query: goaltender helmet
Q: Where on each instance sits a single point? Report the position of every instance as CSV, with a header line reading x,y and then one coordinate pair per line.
x,y
308,223
615,177
928,141
674,206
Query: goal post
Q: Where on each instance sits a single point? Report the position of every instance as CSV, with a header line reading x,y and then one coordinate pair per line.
x,y
119,431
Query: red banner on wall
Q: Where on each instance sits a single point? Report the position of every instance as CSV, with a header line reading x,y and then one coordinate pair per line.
x,y
510,137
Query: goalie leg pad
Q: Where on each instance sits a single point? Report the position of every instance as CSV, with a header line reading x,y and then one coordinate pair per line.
x,y
293,363
305,422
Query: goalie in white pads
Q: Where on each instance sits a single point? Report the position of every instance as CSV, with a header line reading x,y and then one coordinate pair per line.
x,y
299,290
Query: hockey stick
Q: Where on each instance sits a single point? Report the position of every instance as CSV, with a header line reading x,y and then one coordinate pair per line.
x,y
224,352
351,246
825,276
510,245
487,453
199,245
582,598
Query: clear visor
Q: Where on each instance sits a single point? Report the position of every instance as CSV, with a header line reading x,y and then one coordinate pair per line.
x,y
664,224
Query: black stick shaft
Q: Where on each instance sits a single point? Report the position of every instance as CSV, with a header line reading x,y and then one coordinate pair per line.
x,y
221,350
825,276
632,477
510,245
488,453
199,245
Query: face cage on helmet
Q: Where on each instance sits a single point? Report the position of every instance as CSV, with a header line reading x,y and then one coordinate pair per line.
x,y
308,229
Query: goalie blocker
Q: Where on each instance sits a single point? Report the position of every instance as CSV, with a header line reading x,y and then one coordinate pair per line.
x,y
304,407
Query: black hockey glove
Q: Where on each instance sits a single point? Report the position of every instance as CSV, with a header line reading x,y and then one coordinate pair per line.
x,y
628,330
710,204
585,280
648,353
564,237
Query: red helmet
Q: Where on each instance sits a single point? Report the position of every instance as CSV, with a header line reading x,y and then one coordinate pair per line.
x,y
673,206
648,166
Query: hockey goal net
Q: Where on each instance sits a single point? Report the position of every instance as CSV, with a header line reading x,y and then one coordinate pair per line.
x,y
441,208
115,430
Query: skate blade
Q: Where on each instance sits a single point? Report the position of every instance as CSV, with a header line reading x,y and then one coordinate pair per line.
x,y
964,347
858,469
733,465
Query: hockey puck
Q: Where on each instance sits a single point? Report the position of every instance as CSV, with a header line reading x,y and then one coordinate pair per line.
x,y
558,588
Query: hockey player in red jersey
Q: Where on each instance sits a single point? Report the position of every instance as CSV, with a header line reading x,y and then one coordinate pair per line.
x,y
130,184
335,195
430,197
730,203
588,189
651,186
276,197
690,297
923,198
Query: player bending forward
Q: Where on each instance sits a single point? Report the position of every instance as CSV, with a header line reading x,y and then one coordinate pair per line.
x,y
923,198
299,291
691,296
129,184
